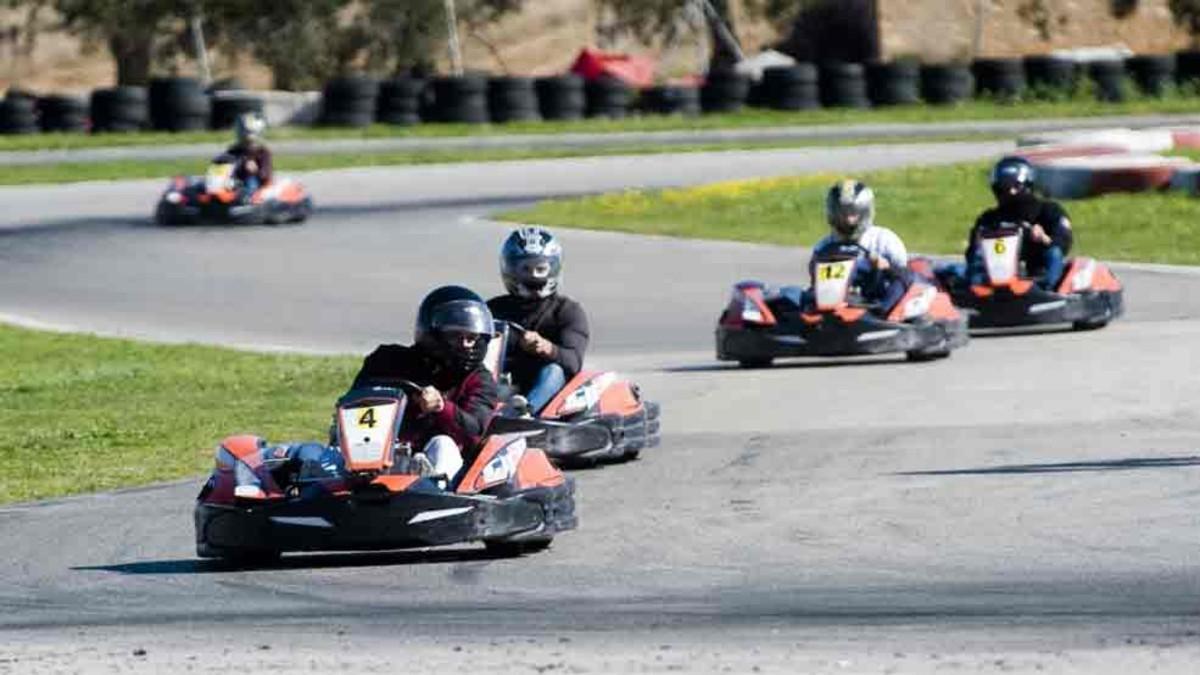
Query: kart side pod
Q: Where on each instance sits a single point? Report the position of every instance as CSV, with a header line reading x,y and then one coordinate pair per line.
x,y
747,304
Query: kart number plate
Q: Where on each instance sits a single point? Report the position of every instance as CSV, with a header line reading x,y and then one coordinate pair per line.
x,y
219,177
1002,257
367,432
832,283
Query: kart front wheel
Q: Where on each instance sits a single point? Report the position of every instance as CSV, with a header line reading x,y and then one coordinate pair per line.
x,y
755,363
504,548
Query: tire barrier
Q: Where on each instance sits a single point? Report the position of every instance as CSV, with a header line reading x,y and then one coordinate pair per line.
x,y
843,85
1050,74
670,100
349,101
1109,79
460,99
18,115
794,87
512,99
1141,141
608,97
1002,79
120,109
178,104
228,105
399,101
1154,74
1079,177
724,91
895,83
1187,67
62,113
943,84
561,97
1187,179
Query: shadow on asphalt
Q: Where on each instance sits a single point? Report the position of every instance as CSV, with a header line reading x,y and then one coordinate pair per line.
x,y
1126,464
807,362
1023,331
301,561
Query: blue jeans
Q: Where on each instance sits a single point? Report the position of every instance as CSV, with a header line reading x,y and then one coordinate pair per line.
x,y
1053,262
550,380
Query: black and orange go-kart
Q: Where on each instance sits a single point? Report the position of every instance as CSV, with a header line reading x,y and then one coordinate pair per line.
x,y
598,416
364,491
762,323
215,199
1088,295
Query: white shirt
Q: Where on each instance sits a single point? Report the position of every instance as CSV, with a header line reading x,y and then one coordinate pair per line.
x,y
878,241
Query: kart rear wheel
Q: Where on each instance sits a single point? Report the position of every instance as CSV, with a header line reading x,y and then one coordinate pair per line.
x,y
1090,325
250,559
764,362
503,548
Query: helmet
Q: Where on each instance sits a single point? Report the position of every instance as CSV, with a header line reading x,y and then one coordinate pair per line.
x,y
1012,180
249,127
531,263
850,208
455,325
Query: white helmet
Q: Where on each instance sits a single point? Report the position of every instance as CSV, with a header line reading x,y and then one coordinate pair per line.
x,y
250,127
850,208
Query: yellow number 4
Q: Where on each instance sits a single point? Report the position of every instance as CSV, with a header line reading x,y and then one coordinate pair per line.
x,y
367,419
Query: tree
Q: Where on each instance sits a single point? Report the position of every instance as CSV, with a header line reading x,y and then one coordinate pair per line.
x,y
400,35
302,42
1187,15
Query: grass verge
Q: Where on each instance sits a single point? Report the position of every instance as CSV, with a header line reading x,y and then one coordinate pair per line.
x,y
80,413
1079,106
932,209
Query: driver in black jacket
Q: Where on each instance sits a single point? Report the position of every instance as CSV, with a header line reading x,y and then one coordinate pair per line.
x,y
549,352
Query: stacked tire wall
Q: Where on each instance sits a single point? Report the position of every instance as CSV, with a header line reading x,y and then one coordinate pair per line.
x,y
349,101
179,104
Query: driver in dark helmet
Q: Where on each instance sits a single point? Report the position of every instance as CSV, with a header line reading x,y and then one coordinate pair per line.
x,y
549,351
1046,238
458,394
882,258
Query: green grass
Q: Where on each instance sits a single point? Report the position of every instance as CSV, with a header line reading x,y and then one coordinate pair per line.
x,y
71,172
931,208
1078,106
80,413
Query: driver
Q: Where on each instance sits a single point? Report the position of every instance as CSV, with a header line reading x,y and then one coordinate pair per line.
x,y
550,350
1047,234
458,394
253,158
883,259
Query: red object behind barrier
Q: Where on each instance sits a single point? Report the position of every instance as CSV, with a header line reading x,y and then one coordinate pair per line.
x,y
636,71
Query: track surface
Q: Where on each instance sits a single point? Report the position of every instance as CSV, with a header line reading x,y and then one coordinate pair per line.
x,y
1028,504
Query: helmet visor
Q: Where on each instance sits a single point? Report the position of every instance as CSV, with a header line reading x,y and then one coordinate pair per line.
x,y
462,316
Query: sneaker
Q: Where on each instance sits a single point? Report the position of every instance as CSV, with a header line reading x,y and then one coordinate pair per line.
x,y
519,405
249,492
420,465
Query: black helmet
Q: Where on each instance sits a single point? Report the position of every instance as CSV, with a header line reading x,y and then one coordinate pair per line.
x,y
850,208
448,319
531,263
1012,180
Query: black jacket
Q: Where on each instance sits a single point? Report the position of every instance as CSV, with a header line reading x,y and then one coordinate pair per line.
x,y
471,399
1048,214
261,156
557,318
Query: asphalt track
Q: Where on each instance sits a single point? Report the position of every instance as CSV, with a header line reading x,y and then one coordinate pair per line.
x,y
1027,505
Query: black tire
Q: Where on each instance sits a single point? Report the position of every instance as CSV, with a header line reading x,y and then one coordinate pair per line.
x,y
762,362
178,104
227,107
1154,74
349,101
512,549
724,91
1090,325
460,99
1187,67
894,83
943,84
62,113
512,99
1109,79
843,85
561,97
670,100
1002,79
1050,76
794,87
251,559
120,109
608,97
18,115
399,101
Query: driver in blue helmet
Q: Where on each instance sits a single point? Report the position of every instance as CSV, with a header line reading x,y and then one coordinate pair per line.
x,y
882,258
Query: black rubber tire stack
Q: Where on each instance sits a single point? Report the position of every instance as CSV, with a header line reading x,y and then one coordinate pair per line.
x,y
119,109
843,85
724,91
670,99
1109,80
608,97
946,83
794,87
894,83
1050,76
512,99
18,115
460,99
1000,79
561,97
62,113
178,104
349,101
1154,74
1187,68
228,105
399,101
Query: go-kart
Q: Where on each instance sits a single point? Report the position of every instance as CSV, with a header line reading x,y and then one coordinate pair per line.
x,y
1087,296
598,416
762,323
216,198
365,490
